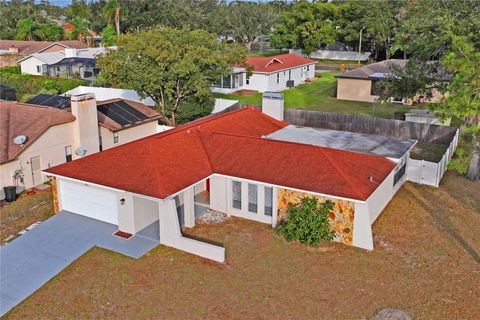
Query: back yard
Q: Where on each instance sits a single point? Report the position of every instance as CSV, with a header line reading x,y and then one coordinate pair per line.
x,y
426,261
318,95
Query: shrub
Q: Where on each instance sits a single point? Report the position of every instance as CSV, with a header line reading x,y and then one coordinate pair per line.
x,y
307,222
26,83
11,69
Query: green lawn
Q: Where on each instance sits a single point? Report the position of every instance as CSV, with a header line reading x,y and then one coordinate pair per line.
x,y
318,96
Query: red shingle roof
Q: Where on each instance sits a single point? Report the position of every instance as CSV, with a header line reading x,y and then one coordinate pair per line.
x,y
229,144
277,63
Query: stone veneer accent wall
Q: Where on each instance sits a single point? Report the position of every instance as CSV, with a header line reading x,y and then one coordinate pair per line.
x,y
341,217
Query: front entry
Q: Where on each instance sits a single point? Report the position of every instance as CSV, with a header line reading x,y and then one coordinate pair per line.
x,y
36,168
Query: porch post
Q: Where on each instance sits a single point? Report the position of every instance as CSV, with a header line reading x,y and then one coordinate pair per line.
x,y
189,207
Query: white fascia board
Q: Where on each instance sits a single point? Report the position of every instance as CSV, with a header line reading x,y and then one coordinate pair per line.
x,y
104,187
272,72
207,177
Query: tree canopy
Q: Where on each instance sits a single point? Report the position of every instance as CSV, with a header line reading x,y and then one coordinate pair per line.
x,y
174,67
306,26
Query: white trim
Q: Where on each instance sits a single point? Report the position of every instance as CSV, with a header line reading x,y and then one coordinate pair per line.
x,y
285,187
208,177
105,187
295,67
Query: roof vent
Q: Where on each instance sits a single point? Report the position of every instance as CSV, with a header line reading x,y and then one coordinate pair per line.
x,y
370,178
81,151
20,140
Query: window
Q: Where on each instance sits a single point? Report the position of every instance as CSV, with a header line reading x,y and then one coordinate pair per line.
x,y
400,171
237,194
39,69
68,153
58,68
278,77
308,68
268,201
115,137
376,88
252,197
289,74
247,79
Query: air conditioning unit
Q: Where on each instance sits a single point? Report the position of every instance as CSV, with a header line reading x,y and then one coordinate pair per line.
x,y
290,83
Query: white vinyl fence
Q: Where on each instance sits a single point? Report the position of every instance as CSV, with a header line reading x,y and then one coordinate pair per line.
x,y
430,173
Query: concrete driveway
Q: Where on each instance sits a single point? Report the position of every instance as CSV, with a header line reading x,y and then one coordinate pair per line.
x,y
31,260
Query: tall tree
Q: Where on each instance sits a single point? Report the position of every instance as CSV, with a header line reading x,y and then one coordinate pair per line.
x,y
26,29
174,67
464,102
428,25
80,29
379,20
111,12
306,26
246,21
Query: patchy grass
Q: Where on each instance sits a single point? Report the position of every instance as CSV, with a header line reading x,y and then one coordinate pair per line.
x,y
27,209
318,95
426,261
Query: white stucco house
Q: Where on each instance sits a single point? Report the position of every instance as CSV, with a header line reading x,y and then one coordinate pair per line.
x,y
56,130
275,73
245,163
69,62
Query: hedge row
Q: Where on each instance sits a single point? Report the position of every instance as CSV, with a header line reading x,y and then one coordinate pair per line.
x,y
26,83
11,69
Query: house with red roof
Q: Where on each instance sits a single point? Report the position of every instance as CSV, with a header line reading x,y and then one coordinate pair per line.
x,y
49,130
275,73
234,164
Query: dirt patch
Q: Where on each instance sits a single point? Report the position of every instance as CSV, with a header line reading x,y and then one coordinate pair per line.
x,y
29,208
423,264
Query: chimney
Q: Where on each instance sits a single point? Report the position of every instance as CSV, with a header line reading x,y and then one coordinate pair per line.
x,y
70,52
13,49
85,135
272,104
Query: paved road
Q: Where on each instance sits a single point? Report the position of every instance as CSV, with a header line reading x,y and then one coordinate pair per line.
x,y
31,260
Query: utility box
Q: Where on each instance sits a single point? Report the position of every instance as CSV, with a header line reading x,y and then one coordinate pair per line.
x,y
273,104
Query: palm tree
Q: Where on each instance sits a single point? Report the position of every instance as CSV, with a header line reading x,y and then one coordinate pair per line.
x,y
80,28
26,29
112,10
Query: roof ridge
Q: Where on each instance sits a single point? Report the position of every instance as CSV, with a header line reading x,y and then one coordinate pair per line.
x,y
340,171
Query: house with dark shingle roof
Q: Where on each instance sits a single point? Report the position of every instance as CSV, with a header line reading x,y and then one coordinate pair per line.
x,y
275,73
233,163
51,130
360,84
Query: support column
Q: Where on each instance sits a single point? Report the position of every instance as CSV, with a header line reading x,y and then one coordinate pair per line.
x,y
274,206
126,219
189,207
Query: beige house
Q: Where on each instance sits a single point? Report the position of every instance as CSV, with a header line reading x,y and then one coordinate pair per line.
x,y
35,137
359,84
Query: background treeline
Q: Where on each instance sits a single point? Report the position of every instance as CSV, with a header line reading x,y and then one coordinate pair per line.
x,y
391,28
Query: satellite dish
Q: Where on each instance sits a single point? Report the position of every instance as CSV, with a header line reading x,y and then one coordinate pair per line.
x,y
81,151
20,139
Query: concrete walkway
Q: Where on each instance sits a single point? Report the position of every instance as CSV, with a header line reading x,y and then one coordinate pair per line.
x,y
34,258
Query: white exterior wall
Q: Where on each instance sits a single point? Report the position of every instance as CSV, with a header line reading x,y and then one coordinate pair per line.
x,y
366,213
170,235
268,81
127,135
29,66
50,147
145,212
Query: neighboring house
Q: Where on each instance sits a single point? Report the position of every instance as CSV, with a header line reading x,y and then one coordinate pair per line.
x,y
70,62
359,84
102,93
275,73
233,163
12,50
56,130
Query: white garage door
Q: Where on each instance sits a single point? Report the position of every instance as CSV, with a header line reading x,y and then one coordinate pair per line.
x,y
89,201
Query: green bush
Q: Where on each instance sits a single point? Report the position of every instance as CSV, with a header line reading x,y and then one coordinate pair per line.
x,y
26,83
307,222
11,69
